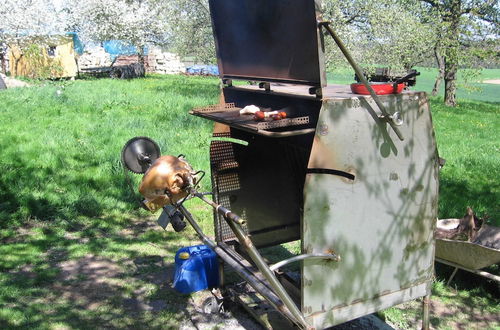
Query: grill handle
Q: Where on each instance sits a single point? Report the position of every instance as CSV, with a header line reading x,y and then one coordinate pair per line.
x,y
323,256
287,133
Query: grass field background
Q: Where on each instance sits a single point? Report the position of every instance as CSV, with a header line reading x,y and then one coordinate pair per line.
x,y
473,89
64,197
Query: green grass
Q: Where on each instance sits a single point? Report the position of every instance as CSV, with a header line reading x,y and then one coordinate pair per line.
x,y
61,153
474,89
470,306
468,137
63,194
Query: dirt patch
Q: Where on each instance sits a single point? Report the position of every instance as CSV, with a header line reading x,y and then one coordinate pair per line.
x,y
137,227
89,281
13,83
463,317
492,81
445,315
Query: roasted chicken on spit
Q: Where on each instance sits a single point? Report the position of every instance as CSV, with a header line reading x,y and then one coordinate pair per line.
x,y
166,182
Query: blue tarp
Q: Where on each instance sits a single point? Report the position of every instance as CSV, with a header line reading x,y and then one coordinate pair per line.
x,y
212,70
118,47
77,43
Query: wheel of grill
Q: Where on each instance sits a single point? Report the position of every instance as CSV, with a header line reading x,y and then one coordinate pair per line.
x,y
139,153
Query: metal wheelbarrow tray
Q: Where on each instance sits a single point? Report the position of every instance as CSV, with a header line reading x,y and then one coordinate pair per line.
x,y
482,252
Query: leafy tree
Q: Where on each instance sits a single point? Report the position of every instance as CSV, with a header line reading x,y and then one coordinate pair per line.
x,y
25,22
461,24
139,22
190,29
384,32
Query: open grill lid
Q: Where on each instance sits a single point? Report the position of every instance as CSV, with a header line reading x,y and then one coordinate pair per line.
x,y
268,40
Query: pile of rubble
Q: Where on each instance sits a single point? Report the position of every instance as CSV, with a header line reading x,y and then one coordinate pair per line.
x,y
8,82
164,62
156,61
94,58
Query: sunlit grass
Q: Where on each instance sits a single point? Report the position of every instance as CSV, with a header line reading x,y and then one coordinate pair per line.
x,y
63,193
472,89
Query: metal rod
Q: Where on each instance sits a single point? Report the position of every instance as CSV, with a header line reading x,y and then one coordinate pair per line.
x,y
254,282
247,243
475,271
286,134
361,77
452,276
227,214
426,301
325,256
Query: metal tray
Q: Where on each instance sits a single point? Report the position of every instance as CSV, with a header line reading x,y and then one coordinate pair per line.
x,y
229,114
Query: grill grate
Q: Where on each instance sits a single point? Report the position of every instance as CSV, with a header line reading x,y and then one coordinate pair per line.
x,y
216,108
230,115
283,123
225,180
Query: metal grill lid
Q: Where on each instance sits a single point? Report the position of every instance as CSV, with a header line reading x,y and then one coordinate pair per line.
x,y
268,40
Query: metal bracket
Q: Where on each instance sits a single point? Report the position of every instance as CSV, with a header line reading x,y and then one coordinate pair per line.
x,y
265,85
227,82
395,118
316,91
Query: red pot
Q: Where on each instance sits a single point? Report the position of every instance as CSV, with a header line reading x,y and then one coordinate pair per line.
x,y
379,88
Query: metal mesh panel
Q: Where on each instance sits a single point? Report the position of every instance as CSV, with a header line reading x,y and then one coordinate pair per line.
x,y
216,108
224,181
227,182
284,123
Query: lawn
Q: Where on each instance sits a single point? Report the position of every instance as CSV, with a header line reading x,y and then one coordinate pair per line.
x,y
472,89
77,252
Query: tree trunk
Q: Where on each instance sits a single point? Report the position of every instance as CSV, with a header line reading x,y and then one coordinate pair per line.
x,y
141,59
440,76
450,83
2,63
452,53
16,65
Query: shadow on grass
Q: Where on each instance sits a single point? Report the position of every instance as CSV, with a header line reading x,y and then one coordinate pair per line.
x,y
469,300
457,194
49,191
92,278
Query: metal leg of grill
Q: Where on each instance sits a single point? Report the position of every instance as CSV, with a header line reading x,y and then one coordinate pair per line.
x,y
275,300
267,272
426,301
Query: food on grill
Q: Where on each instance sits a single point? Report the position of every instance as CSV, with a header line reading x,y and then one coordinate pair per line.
x,y
249,110
166,182
259,116
275,115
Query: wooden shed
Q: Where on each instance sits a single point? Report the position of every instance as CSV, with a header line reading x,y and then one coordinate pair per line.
x,y
48,57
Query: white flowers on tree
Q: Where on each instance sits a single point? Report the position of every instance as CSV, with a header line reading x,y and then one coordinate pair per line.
x,y
137,22
23,22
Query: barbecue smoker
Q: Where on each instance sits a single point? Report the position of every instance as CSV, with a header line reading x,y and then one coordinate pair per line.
x,y
353,177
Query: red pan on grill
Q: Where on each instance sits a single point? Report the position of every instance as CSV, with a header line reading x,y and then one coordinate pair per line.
x,y
382,88
379,88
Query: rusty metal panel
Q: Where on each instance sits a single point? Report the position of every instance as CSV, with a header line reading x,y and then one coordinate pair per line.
x,y
371,199
266,40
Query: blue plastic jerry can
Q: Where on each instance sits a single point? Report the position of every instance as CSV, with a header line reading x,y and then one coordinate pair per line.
x,y
196,269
